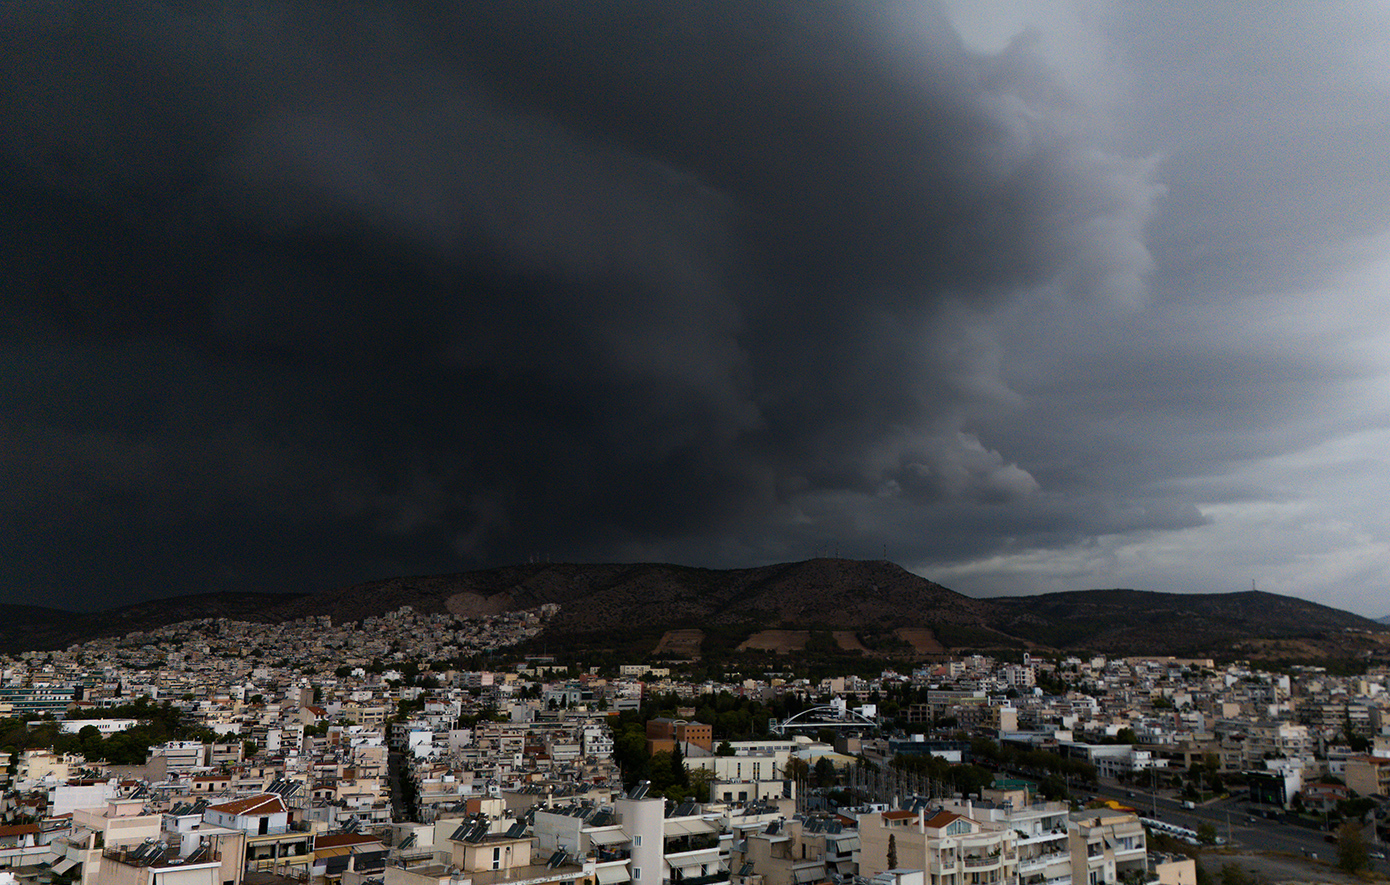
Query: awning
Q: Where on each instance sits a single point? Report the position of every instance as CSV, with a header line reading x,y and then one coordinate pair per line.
x,y
607,837
849,843
690,826
808,874
64,865
613,875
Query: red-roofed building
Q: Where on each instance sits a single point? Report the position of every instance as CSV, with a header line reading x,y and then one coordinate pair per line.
x,y
18,835
273,840
255,815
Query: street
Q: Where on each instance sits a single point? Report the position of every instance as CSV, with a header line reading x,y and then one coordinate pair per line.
x,y
1231,820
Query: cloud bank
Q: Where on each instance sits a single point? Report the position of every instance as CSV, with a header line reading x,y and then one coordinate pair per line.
x,y
306,296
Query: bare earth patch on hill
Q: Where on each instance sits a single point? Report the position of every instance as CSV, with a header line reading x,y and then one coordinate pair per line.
x,y
922,640
849,641
476,605
780,641
682,643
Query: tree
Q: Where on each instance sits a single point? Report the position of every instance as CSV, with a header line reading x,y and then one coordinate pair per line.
x,y
825,772
1053,788
701,779
797,769
1206,833
724,749
1352,853
678,769
892,852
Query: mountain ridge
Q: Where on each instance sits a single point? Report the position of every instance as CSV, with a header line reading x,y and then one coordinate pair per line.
x,y
629,607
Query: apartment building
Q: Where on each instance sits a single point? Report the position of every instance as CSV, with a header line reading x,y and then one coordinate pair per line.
x,y
950,848
1106,847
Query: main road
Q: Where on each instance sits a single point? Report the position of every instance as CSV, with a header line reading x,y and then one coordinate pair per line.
x,y
1231,820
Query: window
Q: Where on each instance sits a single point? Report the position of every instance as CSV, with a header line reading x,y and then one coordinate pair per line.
x,y
636,874
637,841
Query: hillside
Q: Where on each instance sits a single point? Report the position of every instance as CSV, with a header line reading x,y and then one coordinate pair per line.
x,y
816,606
34,628
1148,622
629,606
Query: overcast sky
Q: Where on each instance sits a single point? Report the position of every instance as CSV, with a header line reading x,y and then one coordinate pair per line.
x,y
1025,297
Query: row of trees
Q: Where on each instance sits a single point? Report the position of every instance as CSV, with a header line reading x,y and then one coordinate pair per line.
x,y
157,724
1006,756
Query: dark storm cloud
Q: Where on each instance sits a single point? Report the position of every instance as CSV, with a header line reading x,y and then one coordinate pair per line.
x,y
1245,391
436,286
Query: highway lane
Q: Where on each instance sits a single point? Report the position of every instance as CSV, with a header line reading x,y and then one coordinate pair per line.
x,y
1230,819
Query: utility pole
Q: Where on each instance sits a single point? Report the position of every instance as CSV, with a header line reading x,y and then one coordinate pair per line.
x,y
1153,789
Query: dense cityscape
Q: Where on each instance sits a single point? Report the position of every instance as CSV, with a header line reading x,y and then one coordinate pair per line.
x,y
415,749
683,442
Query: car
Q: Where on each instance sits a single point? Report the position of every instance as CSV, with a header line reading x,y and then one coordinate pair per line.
x,y
1376,855
1252,819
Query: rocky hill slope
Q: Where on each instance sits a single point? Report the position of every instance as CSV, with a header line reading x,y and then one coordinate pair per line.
x,y
629,607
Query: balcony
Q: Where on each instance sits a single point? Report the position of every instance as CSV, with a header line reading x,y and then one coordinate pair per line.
x,y
296,827
1040,862
973,863
603,855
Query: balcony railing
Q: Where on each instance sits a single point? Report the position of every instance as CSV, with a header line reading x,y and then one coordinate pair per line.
x,y
1038,862
971,862
1048,836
